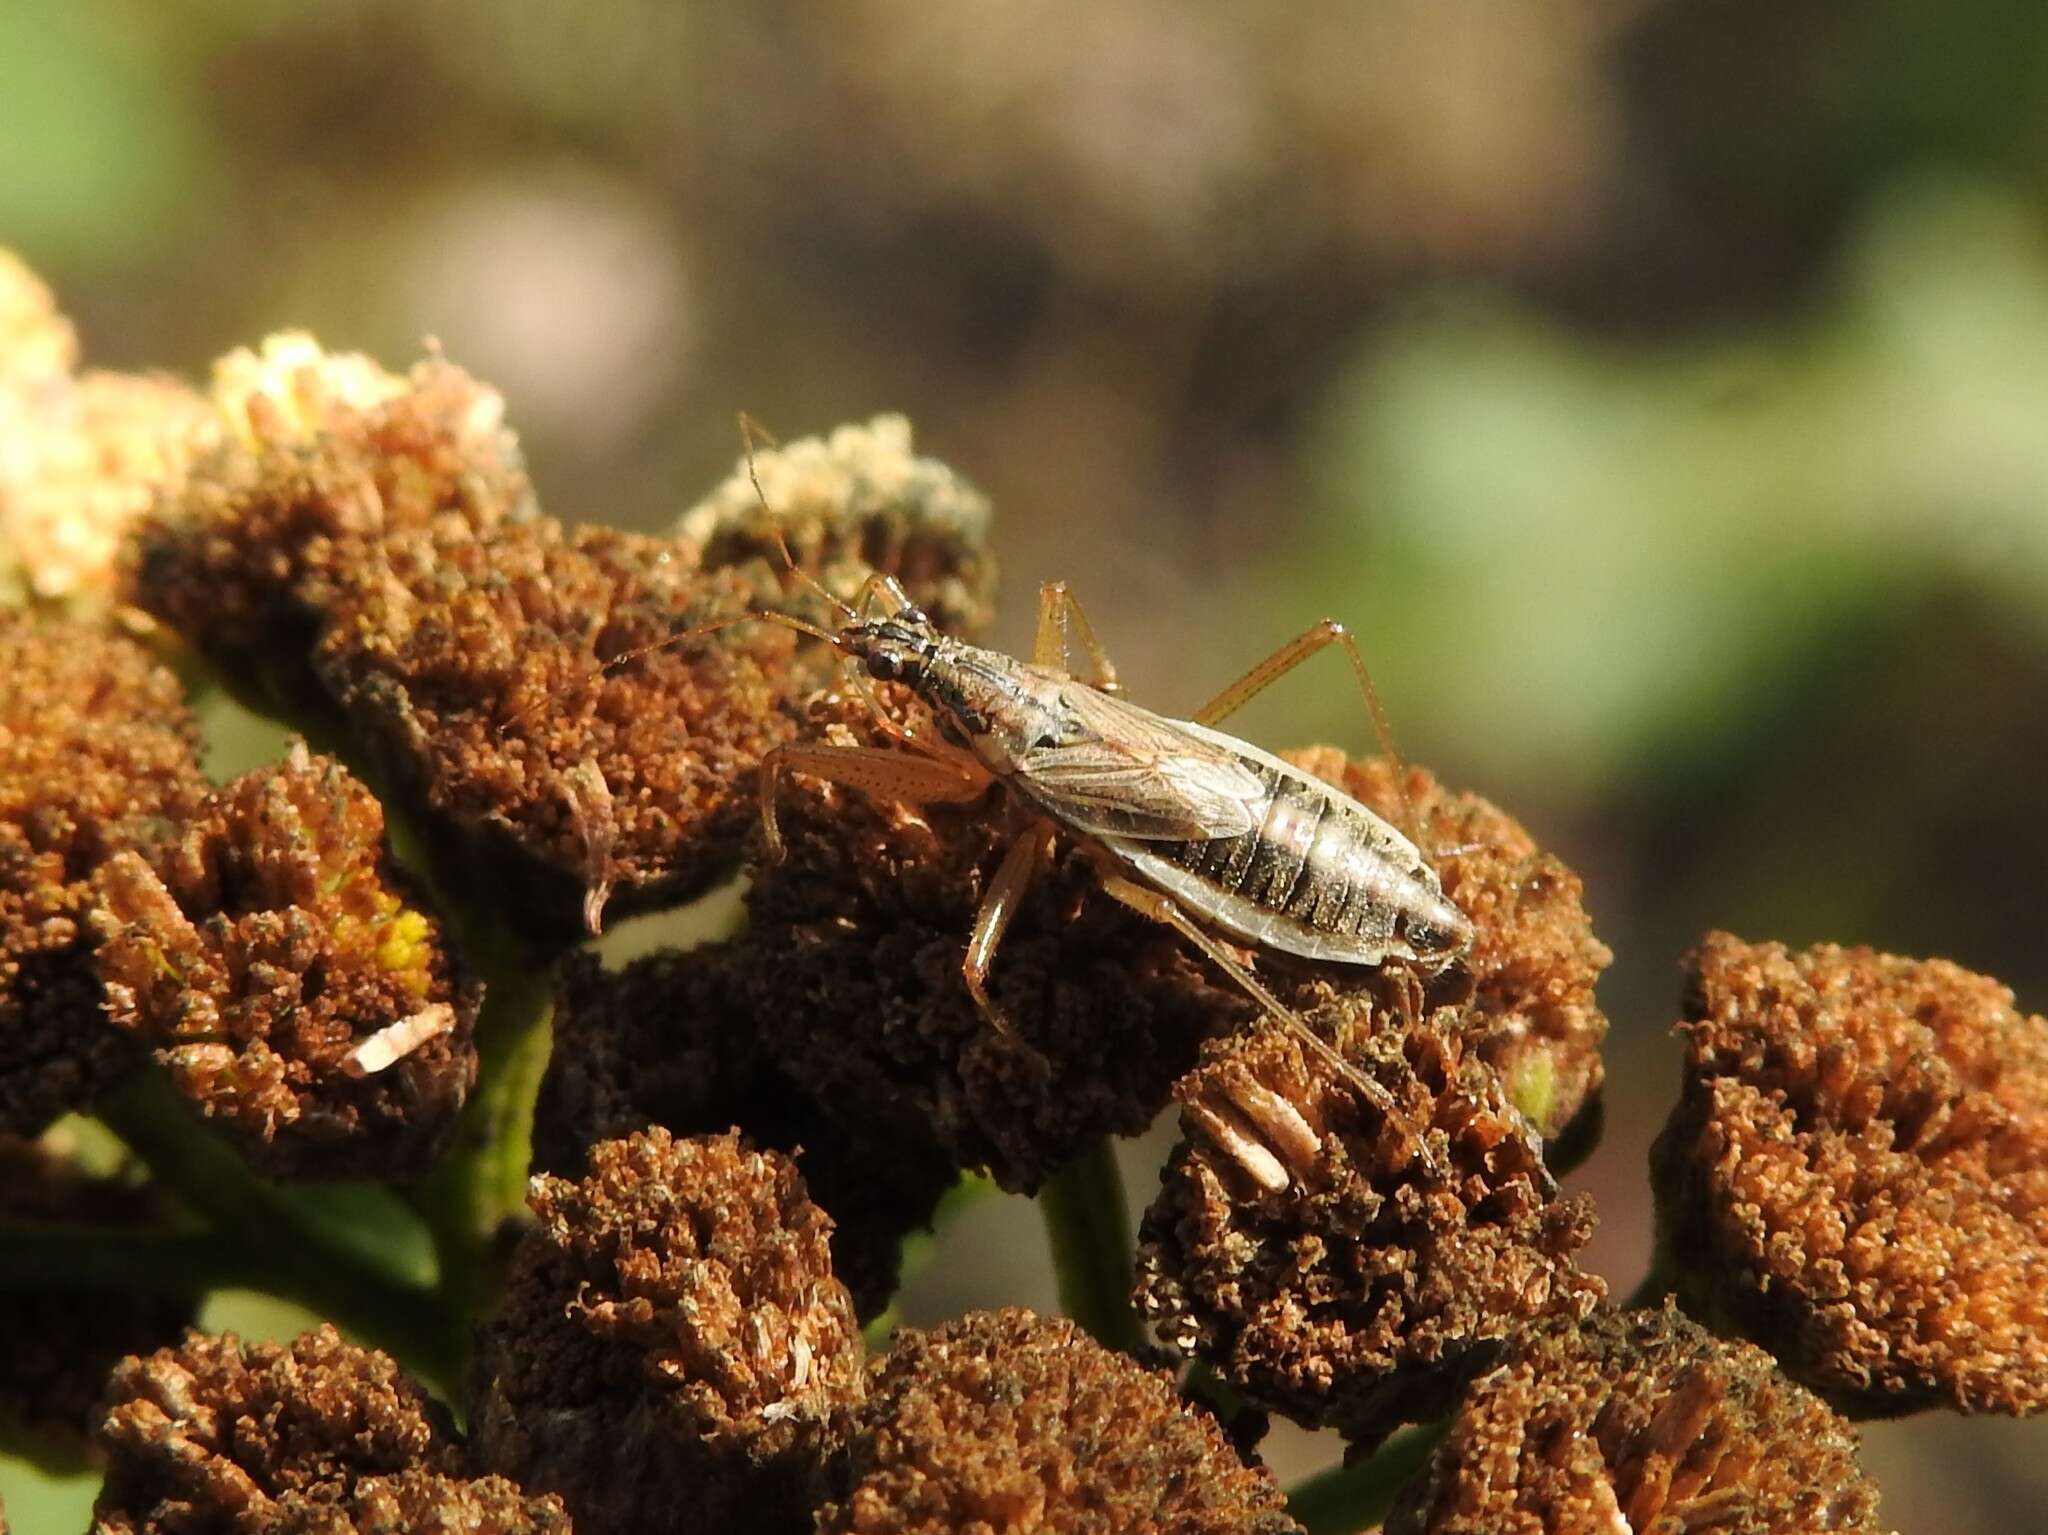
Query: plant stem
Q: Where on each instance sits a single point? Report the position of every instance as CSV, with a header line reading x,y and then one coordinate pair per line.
x,y
54,1255
277,1249
1088,1227
1357,1497
480,1182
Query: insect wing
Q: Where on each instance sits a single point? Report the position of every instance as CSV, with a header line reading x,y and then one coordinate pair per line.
x,y
1135,774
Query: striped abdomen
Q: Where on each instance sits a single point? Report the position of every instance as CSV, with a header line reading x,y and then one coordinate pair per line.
x,y
1318,875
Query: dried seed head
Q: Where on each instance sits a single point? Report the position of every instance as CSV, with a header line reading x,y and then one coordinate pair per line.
x,y
421,1503
1007,1421
1638,1421
1857,1173
320,455
663,1042
855,502
1533,965
1326,1262
289,979
97,754
671,1337
849,967
62,1343
475,664
210,1438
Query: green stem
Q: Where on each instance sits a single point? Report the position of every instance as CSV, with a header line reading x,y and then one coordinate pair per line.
x,y
1357,1497
52,1255
278,1248
1088,1227
480,1182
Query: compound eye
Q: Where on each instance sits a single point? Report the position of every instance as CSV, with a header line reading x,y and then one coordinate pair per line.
x,y
883,665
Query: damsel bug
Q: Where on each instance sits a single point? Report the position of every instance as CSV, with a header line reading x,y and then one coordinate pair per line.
x,y
1187,825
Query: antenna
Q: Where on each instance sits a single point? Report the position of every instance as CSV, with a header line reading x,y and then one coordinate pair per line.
x,y
749,430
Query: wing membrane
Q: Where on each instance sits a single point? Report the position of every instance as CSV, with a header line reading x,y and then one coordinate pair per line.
x,y
1135,775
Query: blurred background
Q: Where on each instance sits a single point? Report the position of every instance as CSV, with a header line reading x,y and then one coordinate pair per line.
x,y
1658,389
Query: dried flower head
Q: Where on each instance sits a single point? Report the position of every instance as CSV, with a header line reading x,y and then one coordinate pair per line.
x,y
475,665
212,1437
1857,1171
671,1337
1341,1265
1008,1421
320,454
97,754
849,968
1638,1421
851,504
662,1042
421,1503
61,1343
1534,962
288,977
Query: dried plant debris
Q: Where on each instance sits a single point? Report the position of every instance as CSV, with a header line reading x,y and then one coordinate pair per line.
x,y
58,1345
852,504
671,1337
1008,1421
97,754
217,1438
421,1503
1642,1421
663,1042
1347,1266
1857,1173
289,978
475,665
319,455
849,967
1534,962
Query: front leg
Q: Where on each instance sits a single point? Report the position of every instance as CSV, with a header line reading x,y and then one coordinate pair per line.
x,y
875,771
1027,855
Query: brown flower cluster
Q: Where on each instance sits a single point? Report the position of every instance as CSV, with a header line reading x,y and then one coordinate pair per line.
x,y
473,664
318,1438
81,455
1534,962
97,755
849,967
1355,1264
671,1338
1008,1421
61,1342
285,973
664,1042
1857,1173
318,455
1638,1420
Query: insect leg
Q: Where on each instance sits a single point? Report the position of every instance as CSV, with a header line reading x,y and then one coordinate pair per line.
x,y
1060,618
1019,867
1291,655
874,770
1162,908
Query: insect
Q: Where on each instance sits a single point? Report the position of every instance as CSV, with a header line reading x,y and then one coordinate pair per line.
x,y
1191,827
